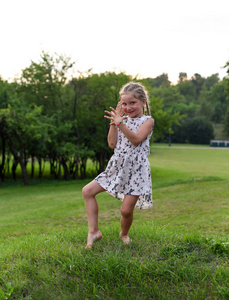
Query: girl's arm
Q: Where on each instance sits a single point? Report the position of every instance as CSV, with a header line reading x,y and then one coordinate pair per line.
x,y
113,131
140,136
134,138
112,136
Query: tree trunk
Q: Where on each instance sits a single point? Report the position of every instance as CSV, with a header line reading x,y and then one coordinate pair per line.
x,y
40,167
2,165
24,172
66,171
59,170
18,158
32,166
83,167
76,172
53,168
14,167
102,161
8,164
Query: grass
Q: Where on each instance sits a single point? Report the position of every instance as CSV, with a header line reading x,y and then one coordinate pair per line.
x,y
180,248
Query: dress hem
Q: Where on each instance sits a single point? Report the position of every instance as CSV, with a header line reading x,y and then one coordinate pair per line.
x,y
120,196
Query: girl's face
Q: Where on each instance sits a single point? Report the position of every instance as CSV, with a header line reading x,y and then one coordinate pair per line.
x,y
131,106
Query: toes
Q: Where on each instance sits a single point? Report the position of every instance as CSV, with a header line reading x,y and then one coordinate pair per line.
x,y
93,238
88,247
125,238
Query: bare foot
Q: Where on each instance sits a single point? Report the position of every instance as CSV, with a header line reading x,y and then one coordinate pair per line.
x,y
125,238
91,238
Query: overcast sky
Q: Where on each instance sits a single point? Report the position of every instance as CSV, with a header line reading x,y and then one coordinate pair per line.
x,y
145,38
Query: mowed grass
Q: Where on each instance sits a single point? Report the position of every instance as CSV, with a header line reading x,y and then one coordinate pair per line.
x,y
180,247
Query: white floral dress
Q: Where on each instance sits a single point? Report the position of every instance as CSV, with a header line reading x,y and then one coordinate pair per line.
x,y
128,170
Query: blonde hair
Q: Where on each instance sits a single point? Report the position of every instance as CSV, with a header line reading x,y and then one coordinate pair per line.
x,y
138,91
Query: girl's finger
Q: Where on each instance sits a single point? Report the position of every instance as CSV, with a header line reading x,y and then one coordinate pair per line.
x,y
111,113
107,112
110,118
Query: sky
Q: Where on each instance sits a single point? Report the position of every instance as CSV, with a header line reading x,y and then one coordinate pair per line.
x,y
144,38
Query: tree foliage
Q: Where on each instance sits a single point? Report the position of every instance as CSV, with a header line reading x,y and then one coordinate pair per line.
x,y
48,116
199,131
226,122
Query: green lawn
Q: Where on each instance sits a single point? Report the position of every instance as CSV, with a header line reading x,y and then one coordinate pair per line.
x,y
180,247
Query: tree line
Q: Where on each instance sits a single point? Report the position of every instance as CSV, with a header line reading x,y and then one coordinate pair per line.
x,y
47,117
201,103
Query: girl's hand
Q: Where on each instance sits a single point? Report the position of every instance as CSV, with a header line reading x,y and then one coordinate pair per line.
x,y
114,116
119,108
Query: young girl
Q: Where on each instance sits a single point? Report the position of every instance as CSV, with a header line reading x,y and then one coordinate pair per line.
x,y
127,176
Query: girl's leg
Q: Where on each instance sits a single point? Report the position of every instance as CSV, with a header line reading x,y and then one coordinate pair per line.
x,y
92,209
127,211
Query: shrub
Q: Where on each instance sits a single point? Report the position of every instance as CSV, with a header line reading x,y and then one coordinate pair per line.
x,y
196,130
199,131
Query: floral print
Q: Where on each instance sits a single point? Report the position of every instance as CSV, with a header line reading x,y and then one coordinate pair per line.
x,y
128,170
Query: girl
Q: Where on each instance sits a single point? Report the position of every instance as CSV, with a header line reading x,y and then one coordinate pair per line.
x,y
127,176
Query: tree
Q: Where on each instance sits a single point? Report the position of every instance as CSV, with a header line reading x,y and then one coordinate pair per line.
x,y
227,80
186,110
188,90
205,109
199,131
21,126
226,122
164,118
7,96
102,91
182,77
170,96
3,104
44,83
179,132
198,82
211,81
226,119
219,100
162,80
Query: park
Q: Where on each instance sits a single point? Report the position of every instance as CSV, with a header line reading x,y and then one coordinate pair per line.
x,y
53,141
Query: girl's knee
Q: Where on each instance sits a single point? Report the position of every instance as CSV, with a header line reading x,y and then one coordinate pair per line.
x,y
127,208
91,189
126,212
86,191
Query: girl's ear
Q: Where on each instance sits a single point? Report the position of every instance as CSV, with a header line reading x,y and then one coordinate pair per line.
x,y
144,102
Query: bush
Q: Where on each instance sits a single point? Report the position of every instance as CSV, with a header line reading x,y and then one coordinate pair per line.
x,y
226,122
194,131
199,131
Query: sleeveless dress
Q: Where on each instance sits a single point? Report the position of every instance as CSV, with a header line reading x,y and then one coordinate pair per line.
x,y
128,170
